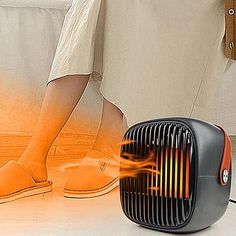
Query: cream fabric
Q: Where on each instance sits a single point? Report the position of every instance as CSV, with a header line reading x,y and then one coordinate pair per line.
x,y
55,4
75,51
160,58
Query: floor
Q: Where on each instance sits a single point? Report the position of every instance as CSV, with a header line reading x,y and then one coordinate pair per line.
x,y
52,214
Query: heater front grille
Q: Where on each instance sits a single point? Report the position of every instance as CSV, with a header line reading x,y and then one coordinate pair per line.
x,y
160,195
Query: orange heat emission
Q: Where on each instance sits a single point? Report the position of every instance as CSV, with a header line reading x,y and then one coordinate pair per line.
x,y
165,171
174,173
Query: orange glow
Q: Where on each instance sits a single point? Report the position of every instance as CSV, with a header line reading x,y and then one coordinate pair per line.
x,y
125,142
166,169
152,186
187,172
157,172
170,172
181,172
130,166
171,169
176,172
161,173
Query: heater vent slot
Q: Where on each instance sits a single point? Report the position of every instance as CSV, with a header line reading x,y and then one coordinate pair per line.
x,y
161,194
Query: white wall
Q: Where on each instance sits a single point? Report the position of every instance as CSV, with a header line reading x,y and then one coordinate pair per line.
x,y
226,111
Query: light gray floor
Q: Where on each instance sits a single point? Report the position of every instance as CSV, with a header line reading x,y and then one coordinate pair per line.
x,y
52,214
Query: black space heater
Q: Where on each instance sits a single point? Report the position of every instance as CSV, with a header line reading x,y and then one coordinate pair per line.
x,y
188,187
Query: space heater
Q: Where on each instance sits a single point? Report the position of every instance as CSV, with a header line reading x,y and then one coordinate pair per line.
x,y
188,187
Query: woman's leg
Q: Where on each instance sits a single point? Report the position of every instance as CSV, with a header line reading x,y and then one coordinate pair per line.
x,y
62,95
110,131
102,163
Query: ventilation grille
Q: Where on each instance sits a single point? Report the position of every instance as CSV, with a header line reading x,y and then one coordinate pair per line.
x,y
162,196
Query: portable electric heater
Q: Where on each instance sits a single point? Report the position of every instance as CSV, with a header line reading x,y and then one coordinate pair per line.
x,y
187,186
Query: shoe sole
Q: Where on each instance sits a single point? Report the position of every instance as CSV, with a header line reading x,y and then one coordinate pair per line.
x,y
26,193
92,193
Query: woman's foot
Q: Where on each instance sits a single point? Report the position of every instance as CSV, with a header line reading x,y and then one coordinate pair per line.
x,y
99,172
36,165
17,182
95,176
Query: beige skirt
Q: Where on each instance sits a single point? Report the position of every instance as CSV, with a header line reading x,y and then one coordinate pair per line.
x,y
156,58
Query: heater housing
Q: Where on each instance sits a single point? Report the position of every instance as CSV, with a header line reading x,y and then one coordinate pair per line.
x,y
186,186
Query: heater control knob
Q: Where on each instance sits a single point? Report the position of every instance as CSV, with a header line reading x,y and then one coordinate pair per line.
x,y
225,176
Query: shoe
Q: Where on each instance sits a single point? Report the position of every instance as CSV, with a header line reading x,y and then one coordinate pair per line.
x,y
16,182
95,177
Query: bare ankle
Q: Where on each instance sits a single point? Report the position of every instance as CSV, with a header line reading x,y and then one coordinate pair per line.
x,y
37,169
